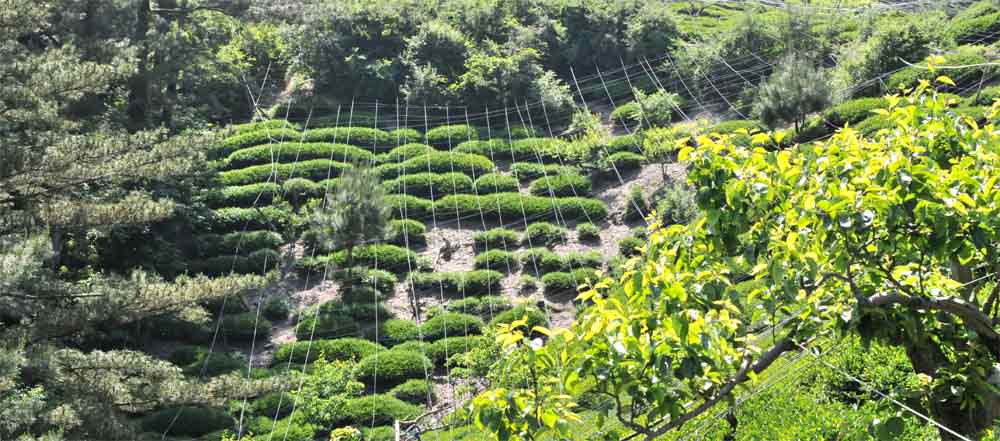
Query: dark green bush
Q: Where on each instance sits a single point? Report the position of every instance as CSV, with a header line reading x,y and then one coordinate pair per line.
x,y
587,231
260,194
348,349
276,308
976,30
636,206
382,433
475,282
451,324
252,138
186,355
496,259
238,219
496,239
241,327
529,171
874,124
486,305
188,421
392,367
440,351
366,279
408,207
561,186
361,311
407,151
495,183
559,282
390,170
314,169
535,316
418,346
625,143
257,262
543,233
405,136
964,78
449,136
363,293
627,114
298,191
543,259
270,124
731,126
241,242
380,409
297,151
416,391
286,429
273,405
581,259
675,204
388,257
853,111
493,148
546,150
426,185
985,97
630,246
211,365
406,232
514,206
445,162
364,137
397,331
621,161
326,326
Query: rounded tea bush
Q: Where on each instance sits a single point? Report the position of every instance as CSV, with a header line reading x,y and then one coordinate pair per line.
x,y
426,185
443,349
535,316
414,391
624,161
397,331
405,136
449,136
561,185
445,162
364,137
392,367
296,151
408,207
347,349
491,148
496,239
387,408
252,138
496,259
313,169
241,327
407,151
588,232
543,233
187,421
260,194
405,232
496,183
452,324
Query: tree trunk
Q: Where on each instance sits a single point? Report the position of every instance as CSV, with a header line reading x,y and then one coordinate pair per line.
x,y
138,95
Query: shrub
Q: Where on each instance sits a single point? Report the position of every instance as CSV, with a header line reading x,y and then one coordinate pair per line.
x,y
625,143
216,364
414,391
259,194
976,30
299,190
527,171
496,239
630,246
675,204
559,282
853,111
543,259
274,405
874,124
621,161
360,311
377,409
513,206
315,169
418,346
581,259
392,367
535,316
263,218
242,242
381,433
543,233
636,207
326,326
430,185
347,349
536,149
405,136
451,324
731,126
287,429
469,282
492,148
187,421
383,256
186,355
250,139
561,185
495,183
964,78
360,136
388,171
527,283
241,327
296,151
404,206
445,162
497,260
985,97
407,151
448,136
440,351
270,124
257,262
365,279
405,232
396,331
587,231
364,293
479,305
276,308
627,114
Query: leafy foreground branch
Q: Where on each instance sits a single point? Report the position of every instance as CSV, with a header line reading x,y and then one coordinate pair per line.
x,y
894,239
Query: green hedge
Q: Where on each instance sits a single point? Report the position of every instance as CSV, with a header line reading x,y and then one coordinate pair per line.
x,y
257,262
543,259
361,277
587,231
471,283
625,143
416,391
627,114
188,421
314,169
348,349
985,97
964,78
261,218
360,311
451,324
412,206
562,185
535,316
562,282
240,327
243,242
292,151
259,194
976,30
509,206
364,137
300,190
391,170
392,367
496,239
427,184
872,125
270,124
449,136
326,326
444,162
252,138
405,232
273,404
492,148
405,136
731,126
528,171
630,246
440,351
543,233
398,331
389,257
362,293
497,260
380,409
496,183
622,161
486,305
546,150
581,259
407,151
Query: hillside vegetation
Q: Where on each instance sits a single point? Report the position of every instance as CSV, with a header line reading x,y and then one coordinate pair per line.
x,y
499,220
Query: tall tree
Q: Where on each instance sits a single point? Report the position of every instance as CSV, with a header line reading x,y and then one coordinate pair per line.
x,y
794,90
355,213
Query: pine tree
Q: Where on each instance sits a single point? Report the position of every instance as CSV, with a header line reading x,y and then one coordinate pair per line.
x,y
794,90
355,213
